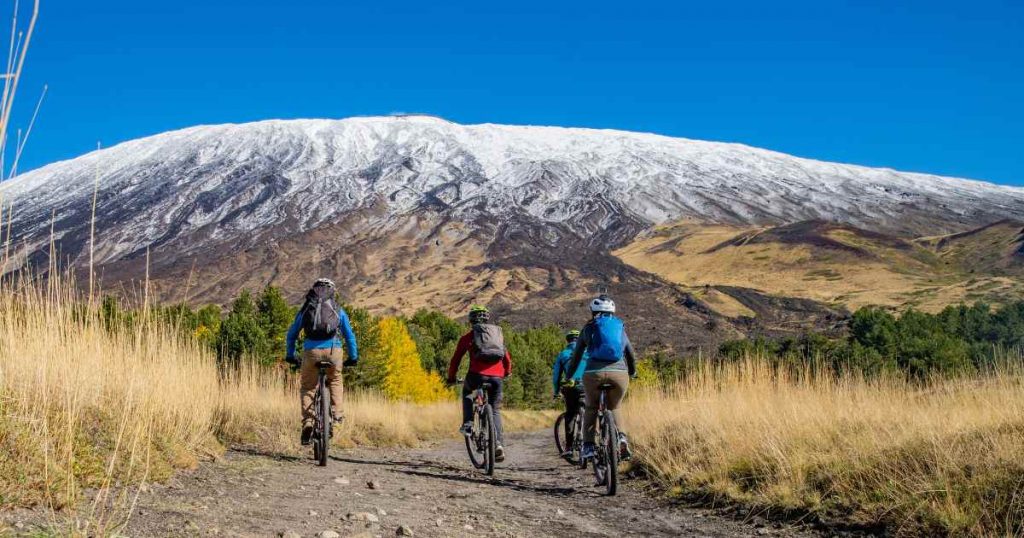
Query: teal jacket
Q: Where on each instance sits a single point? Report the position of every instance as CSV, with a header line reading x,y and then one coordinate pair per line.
x,y
562,367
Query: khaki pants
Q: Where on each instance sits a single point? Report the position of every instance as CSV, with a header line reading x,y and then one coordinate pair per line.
x,y
309,373
592,381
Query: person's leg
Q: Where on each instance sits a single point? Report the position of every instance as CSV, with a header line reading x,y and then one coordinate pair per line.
x,y
496,396
335,381
308,374
567,423
619,381
573,397
592,396
471,383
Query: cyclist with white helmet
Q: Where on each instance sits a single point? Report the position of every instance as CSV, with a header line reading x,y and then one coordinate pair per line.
x,y
610,361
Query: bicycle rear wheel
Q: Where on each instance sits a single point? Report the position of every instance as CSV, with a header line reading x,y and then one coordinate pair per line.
x,y
561,443
578,442
487,420
324,413
600,458
471,447
612,455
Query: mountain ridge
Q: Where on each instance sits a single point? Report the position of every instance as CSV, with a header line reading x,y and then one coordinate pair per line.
x,y
418,211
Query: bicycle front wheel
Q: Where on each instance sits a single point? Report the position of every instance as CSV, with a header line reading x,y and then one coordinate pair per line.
x,y
325,422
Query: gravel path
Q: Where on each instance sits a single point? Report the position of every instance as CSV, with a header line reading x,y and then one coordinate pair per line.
x,y
424,492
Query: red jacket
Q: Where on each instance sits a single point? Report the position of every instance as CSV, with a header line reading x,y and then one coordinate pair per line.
x,y
501,368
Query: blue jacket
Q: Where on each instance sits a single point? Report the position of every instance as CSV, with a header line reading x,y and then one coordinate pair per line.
x,y
562,367
344,327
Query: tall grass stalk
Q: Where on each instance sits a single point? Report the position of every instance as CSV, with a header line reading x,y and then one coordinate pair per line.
x,y
943,457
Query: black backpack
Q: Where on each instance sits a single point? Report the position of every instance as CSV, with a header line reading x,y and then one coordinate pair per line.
x,y
488,342
320,313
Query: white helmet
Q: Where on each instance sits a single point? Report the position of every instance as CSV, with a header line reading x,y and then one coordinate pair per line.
x,y
603,303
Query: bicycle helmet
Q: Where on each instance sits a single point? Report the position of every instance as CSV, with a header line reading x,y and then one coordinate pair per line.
x,y
479,314
572,335
324,282
602,304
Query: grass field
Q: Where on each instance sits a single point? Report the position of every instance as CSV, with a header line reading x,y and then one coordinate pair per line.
x,y
87,407
936,459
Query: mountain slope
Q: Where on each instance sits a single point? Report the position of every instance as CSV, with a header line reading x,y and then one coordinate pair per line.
x,y
417,211
836,263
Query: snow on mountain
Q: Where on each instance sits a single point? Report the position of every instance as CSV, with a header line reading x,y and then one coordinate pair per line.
x,y
230,183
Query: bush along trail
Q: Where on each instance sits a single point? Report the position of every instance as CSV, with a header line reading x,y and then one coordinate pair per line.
x,y
412,492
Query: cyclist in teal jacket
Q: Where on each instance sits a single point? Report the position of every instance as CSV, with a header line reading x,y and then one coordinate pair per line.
x,y
571,392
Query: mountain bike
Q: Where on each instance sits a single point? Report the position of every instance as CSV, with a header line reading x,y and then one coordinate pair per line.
x,y
574,445
323,421
481,442
606,449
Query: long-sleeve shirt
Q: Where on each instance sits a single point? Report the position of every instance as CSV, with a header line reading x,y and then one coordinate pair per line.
x,y
500,368
628,361
562,367
344,328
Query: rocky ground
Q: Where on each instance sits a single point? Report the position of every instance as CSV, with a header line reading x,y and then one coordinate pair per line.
x,y
423,492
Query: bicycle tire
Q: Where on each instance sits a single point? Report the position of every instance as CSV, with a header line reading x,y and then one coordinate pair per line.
x,y
560,444
600,463
577,440
471,440
612,455
325,422
487,416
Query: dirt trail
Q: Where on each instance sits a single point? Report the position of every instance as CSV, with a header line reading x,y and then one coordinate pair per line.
x,y
431,492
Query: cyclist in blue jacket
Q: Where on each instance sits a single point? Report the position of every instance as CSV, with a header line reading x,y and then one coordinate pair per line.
x,y
610,360
571,392
321,321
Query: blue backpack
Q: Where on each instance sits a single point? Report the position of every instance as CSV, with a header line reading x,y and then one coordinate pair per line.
x,y
606,341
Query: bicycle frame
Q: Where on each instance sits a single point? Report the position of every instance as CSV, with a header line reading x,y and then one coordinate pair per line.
x,y
322,417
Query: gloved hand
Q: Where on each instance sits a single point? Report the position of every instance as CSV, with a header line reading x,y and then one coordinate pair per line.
x,y
350,362
570,384
292,362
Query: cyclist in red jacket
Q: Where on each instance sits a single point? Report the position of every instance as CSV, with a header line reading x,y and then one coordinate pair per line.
x,y
482,369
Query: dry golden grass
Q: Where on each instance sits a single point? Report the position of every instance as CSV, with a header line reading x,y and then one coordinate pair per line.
x,y
84,407
947,458
259,407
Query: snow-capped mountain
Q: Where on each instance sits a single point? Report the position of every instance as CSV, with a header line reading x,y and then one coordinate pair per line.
x,y
233,181
412,199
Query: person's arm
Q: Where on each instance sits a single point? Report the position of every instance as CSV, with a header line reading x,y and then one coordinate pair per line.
x,y
350,336
581,345
293,336
460,351
507,362
556,374
630,357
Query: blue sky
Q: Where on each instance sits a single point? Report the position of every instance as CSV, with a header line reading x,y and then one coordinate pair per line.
x,y
923,86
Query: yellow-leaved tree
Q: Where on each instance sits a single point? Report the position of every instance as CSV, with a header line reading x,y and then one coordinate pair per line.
x,y
404,376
